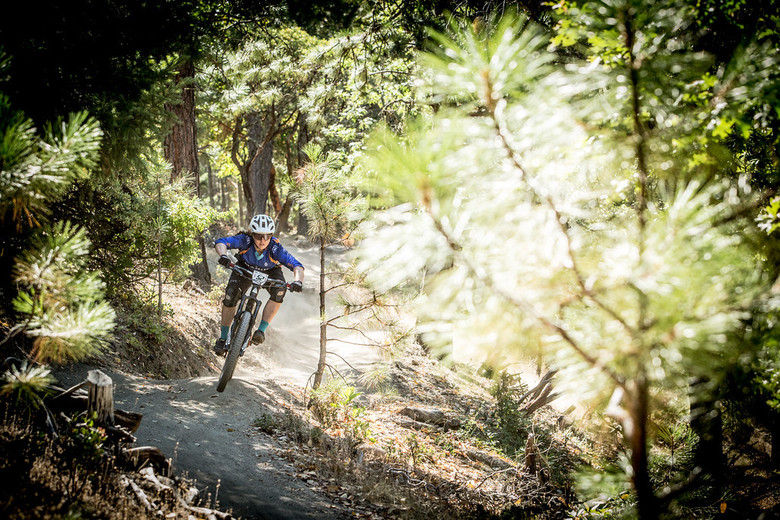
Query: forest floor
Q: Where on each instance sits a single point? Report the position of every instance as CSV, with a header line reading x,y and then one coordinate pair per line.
x,y
257,450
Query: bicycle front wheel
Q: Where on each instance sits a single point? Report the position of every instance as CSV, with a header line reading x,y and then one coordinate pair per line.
x,y
238,339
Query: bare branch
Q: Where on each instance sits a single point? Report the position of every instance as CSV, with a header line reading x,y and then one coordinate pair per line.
x,y
344,360
493,474
352,330
375,344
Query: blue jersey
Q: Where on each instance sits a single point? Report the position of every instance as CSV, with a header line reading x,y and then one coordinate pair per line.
x,y
275,254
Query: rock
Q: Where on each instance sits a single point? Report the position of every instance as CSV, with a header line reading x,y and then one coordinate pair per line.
x,y
431,416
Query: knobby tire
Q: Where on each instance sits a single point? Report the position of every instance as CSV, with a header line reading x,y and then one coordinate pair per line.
x,y
236,342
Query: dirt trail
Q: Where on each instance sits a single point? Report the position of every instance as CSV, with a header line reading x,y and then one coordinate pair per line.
x,y
209,435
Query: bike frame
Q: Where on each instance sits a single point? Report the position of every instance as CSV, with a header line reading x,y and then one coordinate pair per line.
x,y
248,308
250,302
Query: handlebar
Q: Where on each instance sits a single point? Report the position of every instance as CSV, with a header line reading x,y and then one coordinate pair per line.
x,y
247,273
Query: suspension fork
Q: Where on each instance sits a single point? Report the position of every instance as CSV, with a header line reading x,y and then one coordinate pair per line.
x,y
250,301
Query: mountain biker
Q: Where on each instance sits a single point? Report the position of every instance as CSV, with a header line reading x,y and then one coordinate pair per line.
x,y
258,250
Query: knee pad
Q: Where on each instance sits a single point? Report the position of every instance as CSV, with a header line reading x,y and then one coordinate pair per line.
x,y
231,296
277,293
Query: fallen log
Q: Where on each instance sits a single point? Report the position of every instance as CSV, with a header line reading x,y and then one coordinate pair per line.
x,y
414,425
118,434
129,420
534,392
139,493
492,461
540,395
202,511
149,455
151,478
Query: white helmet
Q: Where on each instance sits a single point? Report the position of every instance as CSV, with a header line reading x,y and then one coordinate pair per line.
x,y
262,224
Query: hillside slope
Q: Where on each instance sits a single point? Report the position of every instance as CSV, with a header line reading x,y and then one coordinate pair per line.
x,y
256,450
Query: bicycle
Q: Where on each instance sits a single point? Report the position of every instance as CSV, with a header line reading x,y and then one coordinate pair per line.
x,y
244,320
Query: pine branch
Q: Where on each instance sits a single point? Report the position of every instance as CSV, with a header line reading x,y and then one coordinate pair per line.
x,y
559,218
524,306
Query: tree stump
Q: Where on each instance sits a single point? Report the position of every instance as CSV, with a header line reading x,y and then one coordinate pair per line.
x,y
530,455
101,397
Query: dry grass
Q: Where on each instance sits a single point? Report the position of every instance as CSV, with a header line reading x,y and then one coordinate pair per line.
x,y
402,470
74,475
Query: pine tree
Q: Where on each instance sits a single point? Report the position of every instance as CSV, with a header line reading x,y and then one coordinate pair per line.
x,y
327,200
580,209
58,301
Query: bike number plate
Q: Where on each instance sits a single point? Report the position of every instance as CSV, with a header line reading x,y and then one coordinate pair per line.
x,y
259,278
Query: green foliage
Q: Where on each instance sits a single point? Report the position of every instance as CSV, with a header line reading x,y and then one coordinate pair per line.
x,y
768,219
333,405
85,440
768,376
377,379
301,89
27,384
140,317
511,425
417,451
38,169
61,300
185,217
326,197
672,458
578,210
606,508
127,216
605,492
58,299
266,423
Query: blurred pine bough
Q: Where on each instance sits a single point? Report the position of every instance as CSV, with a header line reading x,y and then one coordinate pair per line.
x,y
585,211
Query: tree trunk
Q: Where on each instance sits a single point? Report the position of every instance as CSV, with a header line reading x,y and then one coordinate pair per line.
x,y
200,270
159,253
303,224
774,430
252,153
210,177
181,144
647,506
223,200
323,322
241,199
259,169
283,217
530,455
706,422
273,193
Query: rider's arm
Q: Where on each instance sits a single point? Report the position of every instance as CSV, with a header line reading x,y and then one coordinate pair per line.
x,y
240,241
283,256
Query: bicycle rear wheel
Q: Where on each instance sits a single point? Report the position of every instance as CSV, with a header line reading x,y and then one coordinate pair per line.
x,y
236,342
